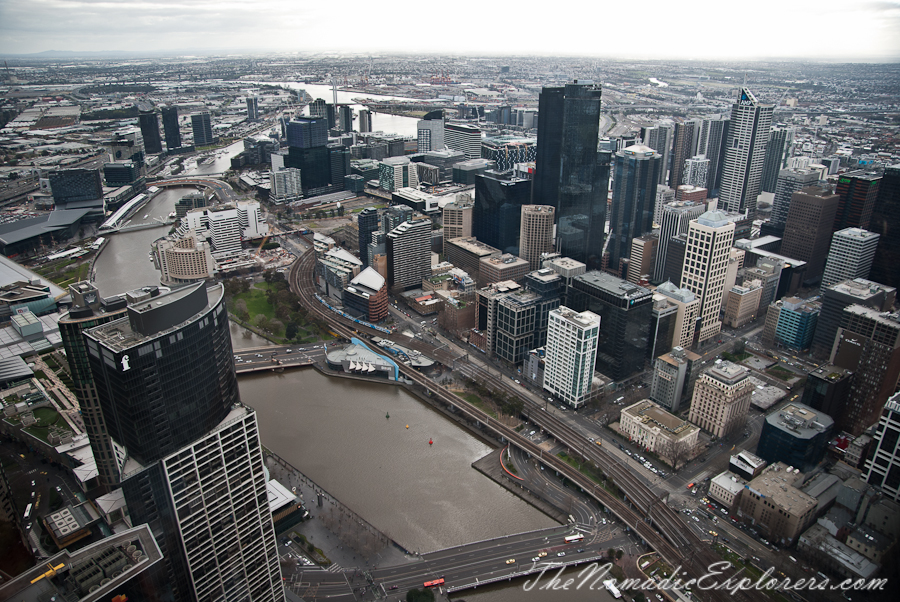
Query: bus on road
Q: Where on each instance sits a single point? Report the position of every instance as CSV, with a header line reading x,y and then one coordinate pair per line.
x,y
574,538
434,583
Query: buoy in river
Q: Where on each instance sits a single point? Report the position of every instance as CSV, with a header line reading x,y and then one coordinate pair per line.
x,y
407,426
430,442
388,415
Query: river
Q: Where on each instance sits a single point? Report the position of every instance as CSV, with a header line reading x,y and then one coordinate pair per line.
x,y
335,431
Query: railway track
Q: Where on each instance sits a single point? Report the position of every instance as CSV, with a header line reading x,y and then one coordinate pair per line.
x,y
642,510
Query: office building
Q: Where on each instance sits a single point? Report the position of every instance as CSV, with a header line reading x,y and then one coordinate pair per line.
x,y
674,259
408,248
726,489
190,201
368,222
649,426
807,231
307,132
659,138
252,108
883,467
75,185
149,124
515,325
625,311
868,344
345,118
674,376
317,109
394,216
201,125
501,268
535,233
850,256
858,191
664,195
796,435
397,172
570,355
705,264
711,143
365,121
835,298
743,303
457,219
797,320
745,153
509,151
488,301
688,310
467,253
826,389
121,173
642,258
695,172
674,219
778,151
774,505
684,146
663,323
788,182
335,267
462,137
167,388
367,296
570,174
497,215
171,128
686,192
431,134
885,222
633,199
722,399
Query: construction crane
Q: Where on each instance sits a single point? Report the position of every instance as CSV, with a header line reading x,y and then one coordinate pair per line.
x,y
50,573
262,243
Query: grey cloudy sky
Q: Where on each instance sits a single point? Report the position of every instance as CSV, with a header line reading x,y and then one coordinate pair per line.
x,y
813,29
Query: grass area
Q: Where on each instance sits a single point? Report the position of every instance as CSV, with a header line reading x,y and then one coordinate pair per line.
x,y
377,206
40,374
735,357
45,416
591,472
478,403
781,373
256,302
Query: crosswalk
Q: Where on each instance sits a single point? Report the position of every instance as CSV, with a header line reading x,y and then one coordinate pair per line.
x,y
334,568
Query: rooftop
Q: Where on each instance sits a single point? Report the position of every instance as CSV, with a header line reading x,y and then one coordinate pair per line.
x,y
651,415
474,246
614,286
728,372
860,288
802,421
776,483
370,279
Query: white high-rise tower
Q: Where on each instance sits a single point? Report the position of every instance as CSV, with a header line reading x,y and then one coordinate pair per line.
x,y
745,153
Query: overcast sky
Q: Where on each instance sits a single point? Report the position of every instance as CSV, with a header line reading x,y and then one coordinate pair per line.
x,y
811,29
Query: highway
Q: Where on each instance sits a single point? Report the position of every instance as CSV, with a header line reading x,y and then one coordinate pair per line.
x,y
643,510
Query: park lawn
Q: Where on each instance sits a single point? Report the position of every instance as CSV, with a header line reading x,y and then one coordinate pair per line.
x,y
256,303
781,373
45,416
478,403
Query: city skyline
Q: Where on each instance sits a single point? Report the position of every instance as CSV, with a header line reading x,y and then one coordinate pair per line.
x,y
162,26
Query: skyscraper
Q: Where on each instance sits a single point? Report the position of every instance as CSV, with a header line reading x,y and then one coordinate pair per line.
x,y
149,124
345,118
462,137
779,150
570,174
431,132
722,399
885,223
808,228
788,182
171,128
72,185
659,138
836,298
858,191
745,153
683,148
202,126
850,256
883,467
713,137
709,242
368,222
365,121
571,352
252,108
408,248
535,233
497,216
696,171
166,385
634,195
457,220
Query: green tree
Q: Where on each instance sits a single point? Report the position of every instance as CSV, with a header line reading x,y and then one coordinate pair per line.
x,y
419,595
291,330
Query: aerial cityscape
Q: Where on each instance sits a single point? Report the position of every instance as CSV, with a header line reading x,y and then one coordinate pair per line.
x,y
484,326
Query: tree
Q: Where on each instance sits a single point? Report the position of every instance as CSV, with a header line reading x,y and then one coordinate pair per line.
x,y
291,330
611,553
419,595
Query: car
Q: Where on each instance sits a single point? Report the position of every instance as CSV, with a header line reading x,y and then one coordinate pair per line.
x,y
660,598
542,554
393,587
288,351
28,527
59,489
511,561
535,559
32,483
560,553
516,381
603,521
580,550
628,452
695,518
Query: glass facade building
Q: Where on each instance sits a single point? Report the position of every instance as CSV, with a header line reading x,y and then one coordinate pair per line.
x,y
570,174
170,127
497,214
634,197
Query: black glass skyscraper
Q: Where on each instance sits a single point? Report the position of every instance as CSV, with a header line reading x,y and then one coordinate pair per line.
x,y
633,200
149,124
170,127
570,174
497,214
886,223
368,223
